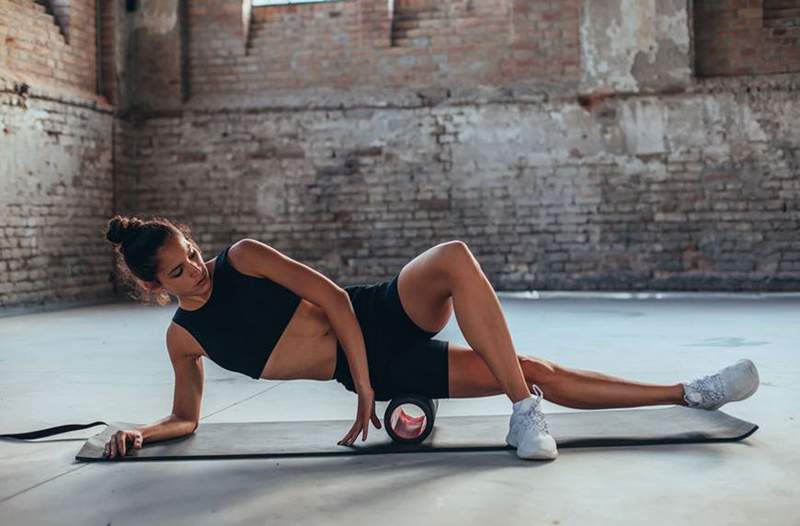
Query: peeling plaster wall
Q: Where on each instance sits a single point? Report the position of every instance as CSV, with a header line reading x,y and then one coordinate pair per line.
x,y
635,45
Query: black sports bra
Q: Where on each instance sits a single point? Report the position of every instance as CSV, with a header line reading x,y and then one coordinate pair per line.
x,y
242,320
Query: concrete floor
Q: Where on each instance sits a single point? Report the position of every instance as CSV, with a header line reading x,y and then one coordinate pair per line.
x,y
109,363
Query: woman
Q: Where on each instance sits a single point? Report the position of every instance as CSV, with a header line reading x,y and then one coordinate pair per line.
x,y
255,311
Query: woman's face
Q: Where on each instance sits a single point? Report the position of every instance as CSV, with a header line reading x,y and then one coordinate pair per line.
x,y
182,271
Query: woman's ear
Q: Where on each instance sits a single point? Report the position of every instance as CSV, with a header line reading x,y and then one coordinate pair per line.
x,y
151,286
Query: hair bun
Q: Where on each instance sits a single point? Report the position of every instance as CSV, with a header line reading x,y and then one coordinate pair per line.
x,y
121,228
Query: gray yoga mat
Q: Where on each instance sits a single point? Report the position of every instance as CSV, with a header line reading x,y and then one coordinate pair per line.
x,y
626,427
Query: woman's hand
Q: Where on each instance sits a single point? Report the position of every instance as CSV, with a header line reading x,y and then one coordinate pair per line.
x,y
366,412
118,444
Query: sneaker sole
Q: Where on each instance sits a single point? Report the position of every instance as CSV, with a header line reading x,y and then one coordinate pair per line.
x,y
545,449
538,454
541,456
511,440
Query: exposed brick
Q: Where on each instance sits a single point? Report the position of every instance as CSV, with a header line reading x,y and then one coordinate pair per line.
x,y
387,148
735,40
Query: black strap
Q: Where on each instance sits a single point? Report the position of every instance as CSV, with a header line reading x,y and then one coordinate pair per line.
x,y
51,431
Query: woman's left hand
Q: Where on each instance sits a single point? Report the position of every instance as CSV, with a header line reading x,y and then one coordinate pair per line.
x,y
366,412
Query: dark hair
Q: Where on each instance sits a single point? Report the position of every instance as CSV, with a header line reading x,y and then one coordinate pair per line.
x,y
136,243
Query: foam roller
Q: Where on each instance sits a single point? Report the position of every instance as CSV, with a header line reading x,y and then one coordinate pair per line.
x,y
406,428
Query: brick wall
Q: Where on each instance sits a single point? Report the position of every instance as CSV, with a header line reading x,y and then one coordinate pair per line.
x,y
353,138
744,37
694,192
56,192
35,50
56,185
362,44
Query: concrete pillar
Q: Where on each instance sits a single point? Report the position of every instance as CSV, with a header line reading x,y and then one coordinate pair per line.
x,y
156,68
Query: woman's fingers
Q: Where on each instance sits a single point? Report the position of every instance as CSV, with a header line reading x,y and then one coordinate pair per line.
x,y
369,416
344,441
352,434
361,426
111,448
121,444
118,443
367,420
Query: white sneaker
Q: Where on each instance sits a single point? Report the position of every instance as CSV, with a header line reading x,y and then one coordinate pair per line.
x,y
734,382
528,430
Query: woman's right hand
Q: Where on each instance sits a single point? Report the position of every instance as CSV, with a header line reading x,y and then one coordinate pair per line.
x,y
118,444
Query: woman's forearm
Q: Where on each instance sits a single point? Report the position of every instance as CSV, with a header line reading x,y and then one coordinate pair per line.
x,y
348,332
166,428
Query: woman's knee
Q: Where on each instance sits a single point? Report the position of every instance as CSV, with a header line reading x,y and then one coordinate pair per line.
x,y
537,370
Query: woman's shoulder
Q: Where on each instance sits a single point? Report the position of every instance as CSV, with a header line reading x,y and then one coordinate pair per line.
x,y
181,342
239,257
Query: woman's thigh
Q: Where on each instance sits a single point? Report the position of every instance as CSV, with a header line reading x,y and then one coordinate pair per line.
x,y
469,375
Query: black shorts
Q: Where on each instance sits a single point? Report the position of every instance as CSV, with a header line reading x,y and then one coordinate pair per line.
x,y
402,358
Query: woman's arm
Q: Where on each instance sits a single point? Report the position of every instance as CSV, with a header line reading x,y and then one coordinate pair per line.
x,y
185,406
187,364
166,428
348,331
261,259
185,415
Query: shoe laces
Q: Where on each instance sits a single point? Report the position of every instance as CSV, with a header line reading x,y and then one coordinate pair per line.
x,y
709,388
534,416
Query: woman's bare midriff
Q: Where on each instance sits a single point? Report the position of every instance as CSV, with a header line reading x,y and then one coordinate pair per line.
x,y
305,350
307,347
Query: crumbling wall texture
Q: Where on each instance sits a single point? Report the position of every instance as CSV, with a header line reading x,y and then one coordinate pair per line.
x,y
362,43
33,44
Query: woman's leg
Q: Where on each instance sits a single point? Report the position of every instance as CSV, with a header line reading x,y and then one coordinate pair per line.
x,y
448,278
469,376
